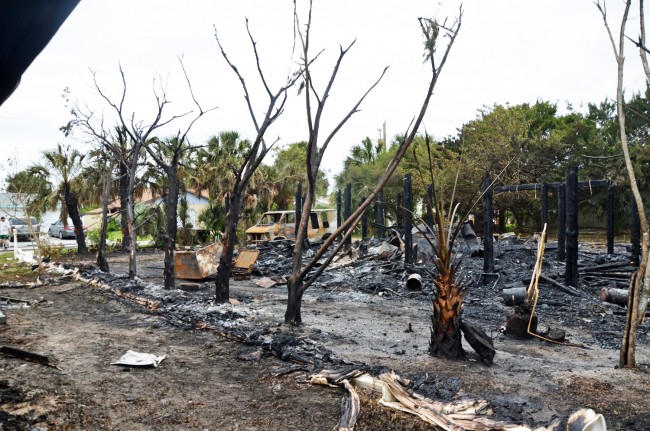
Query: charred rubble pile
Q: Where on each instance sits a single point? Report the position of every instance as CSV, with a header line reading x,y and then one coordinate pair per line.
x,y
376,266
372,265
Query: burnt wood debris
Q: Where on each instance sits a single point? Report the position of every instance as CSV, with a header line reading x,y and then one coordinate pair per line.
x,y
375,267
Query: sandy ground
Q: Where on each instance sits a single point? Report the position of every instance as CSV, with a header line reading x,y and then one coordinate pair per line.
x,y
204,385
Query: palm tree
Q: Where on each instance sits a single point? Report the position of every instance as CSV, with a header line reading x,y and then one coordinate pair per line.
x,y
363,153
62,167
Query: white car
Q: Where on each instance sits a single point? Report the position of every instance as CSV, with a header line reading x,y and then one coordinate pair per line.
x,y
22,228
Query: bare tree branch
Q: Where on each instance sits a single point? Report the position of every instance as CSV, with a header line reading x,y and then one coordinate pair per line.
x,y
353,220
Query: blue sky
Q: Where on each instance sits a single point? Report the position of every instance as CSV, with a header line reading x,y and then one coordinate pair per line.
x,y
508,51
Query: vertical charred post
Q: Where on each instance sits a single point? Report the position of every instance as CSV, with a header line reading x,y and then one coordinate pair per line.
x,y
347,197
429,203
561,223
380,218
338,208
611,199
501,225
408,219
488,215
364,221
571,268
399,211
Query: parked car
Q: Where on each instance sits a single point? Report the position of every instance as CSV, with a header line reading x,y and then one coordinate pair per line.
x,y
59,230
22,228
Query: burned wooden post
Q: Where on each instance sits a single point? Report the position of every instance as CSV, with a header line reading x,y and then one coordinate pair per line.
x,y
298,205
544,215
488,215
408,220
610,219
399,211
571,268
347,202
429,203
561,222
501,226
364,221
338,208
380,218
635,233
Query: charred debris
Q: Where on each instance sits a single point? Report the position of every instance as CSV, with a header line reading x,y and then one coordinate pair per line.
x,y
375,266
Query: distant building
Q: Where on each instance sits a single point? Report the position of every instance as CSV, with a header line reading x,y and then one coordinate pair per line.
x,y
11,205
196,204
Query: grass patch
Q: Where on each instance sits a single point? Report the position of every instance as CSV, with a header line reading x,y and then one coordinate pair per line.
x,y
13,270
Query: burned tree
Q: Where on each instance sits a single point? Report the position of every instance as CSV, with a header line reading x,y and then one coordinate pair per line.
x,y
640,284
168,155
107,169
251,160
302,277
127,142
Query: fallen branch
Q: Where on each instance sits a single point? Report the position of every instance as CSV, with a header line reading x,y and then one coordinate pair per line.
x,y
29,356
606,267
568,289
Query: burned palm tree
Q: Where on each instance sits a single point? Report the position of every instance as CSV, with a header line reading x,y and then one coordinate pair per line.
x,y
448,284
449,290
448,287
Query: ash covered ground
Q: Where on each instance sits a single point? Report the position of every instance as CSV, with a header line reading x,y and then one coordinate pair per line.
x,y
360,313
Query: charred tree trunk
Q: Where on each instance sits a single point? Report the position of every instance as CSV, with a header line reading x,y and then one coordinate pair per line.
x,y
72,205
169,239
124,201
571,269
222,284
610,219
296,289
446,340
130,220
102,263
298,199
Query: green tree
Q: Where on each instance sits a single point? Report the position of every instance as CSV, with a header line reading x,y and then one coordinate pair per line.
x,y
289,170
32,188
